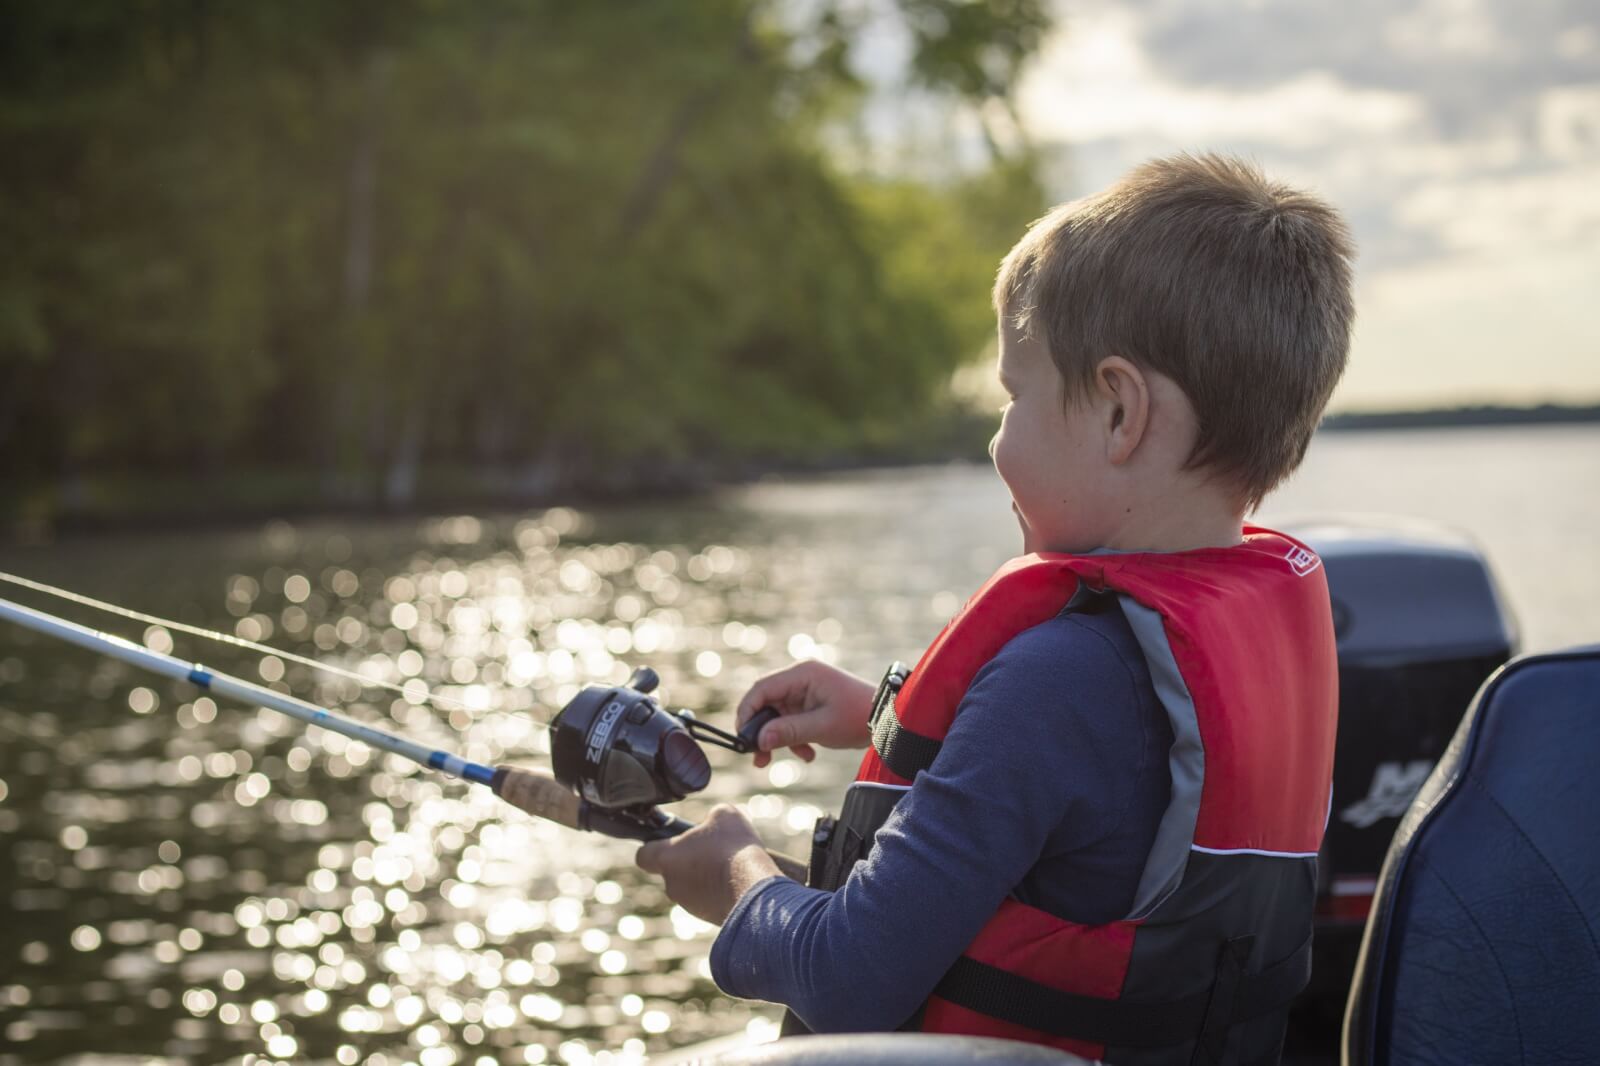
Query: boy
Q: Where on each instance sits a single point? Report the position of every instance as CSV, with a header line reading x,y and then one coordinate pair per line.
x,y
1090,816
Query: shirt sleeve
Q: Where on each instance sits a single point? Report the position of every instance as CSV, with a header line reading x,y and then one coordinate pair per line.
x,y
1036,761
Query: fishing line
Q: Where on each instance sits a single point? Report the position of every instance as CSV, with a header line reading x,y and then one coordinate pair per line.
x,y
438,700
616,753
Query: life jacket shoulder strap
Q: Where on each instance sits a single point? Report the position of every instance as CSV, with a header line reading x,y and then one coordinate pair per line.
x,y
903,750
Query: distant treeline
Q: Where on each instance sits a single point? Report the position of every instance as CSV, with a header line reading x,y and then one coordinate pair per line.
x,y
336,249
1477,415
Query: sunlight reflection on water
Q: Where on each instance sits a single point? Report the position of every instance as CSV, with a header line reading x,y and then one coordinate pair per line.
x,y
209,882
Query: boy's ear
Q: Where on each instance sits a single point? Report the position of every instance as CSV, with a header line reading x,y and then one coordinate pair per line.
x,y
1123,393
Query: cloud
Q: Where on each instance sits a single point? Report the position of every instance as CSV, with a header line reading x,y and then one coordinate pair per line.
x,y
1460,137
1512,328
1557,208
1095,81
1469,59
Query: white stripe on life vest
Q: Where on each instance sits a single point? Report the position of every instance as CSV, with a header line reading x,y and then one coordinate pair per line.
x,y
1255,851
877,784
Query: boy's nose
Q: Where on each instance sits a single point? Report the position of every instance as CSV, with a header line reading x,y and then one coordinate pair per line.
x,y
994,440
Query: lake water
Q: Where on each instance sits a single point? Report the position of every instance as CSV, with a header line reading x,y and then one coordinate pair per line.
x,y
194,883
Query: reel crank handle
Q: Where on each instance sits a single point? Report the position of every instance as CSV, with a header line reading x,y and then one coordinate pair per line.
x,y
743,742
752,729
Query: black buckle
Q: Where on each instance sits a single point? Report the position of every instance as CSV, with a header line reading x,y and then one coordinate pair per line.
x,y
821,840
888,688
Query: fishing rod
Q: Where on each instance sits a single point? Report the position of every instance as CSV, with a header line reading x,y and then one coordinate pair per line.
x,y
616,753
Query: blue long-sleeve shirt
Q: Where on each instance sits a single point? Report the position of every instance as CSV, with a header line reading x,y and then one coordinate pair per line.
x,y
1049,788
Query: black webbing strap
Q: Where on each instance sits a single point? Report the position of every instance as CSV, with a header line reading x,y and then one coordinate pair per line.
x,y
1213,1037
901,750
988,990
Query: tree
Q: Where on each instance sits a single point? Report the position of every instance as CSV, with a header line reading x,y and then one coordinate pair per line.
x,y
381,237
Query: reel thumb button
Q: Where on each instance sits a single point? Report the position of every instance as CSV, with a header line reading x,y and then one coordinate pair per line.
x,y
639,713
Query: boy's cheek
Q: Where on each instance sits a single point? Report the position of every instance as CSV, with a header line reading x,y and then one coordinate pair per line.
x,y
1000,456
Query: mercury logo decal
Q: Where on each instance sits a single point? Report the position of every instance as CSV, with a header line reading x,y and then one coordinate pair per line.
x,y
602,731
1394,786
1302,561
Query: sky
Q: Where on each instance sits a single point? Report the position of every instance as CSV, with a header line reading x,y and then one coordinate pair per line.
x,y
1460,137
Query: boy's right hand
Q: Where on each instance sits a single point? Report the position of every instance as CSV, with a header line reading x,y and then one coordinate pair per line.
x,y
817,704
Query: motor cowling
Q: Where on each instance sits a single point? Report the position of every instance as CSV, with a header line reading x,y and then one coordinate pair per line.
x,y
1420,624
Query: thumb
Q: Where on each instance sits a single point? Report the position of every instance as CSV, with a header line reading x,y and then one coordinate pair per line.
x,y
648,857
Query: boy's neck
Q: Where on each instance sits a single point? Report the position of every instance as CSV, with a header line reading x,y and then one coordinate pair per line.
x,y
1177,521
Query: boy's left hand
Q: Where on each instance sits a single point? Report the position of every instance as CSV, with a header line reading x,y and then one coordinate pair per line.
x,y
709,867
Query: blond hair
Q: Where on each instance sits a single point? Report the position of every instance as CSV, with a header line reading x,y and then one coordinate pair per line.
x,y
1199,268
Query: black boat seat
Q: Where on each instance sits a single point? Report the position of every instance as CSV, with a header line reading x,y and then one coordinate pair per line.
x,y
1483,944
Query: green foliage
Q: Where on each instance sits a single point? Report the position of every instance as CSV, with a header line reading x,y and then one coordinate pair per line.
x,y
976,49
364,238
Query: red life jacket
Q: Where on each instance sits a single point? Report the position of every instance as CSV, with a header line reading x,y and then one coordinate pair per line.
x,y
1240,646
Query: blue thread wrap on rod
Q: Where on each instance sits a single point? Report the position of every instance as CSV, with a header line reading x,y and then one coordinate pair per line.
x,y
246,692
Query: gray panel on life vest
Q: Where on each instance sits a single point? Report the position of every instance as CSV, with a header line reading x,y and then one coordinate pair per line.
x,y
1175,951
1169,855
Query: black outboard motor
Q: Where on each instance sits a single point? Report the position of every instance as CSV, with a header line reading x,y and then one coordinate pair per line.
x,y
1420,624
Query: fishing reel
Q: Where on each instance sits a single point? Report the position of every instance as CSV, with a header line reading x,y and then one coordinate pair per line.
x,y
622,754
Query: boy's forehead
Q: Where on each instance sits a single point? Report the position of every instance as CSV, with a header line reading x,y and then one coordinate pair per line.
x,y
1017,349
1017,325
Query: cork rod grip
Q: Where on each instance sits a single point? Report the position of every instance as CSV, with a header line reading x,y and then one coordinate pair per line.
x,y
539,794
544,797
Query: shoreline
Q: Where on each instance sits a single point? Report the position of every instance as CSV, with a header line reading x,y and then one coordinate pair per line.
x,y
1473,416
112,504
492,491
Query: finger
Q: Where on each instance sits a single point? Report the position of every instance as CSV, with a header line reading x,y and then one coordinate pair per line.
x,y
763,692
648,857
775,689
762,758
753,699
791,730
805,751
